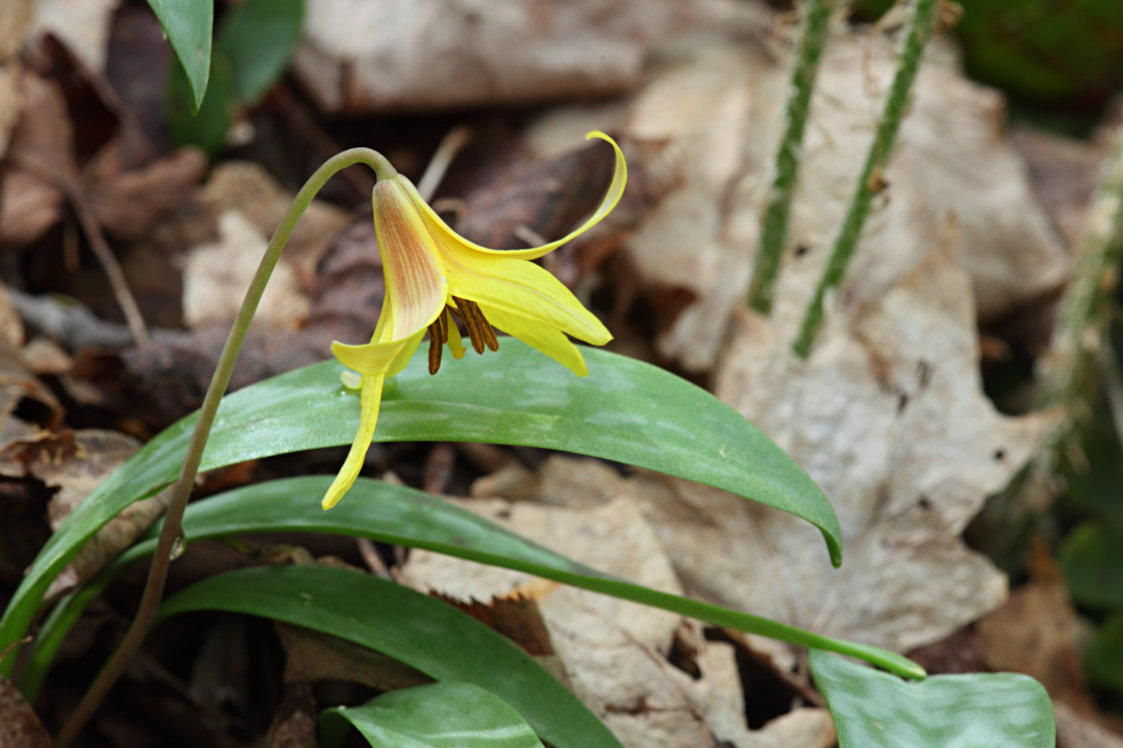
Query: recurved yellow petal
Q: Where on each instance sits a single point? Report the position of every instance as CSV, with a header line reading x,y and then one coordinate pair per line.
x,y
372,359
445,235
371,388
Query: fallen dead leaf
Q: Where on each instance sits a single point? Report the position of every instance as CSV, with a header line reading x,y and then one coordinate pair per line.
x,y
296,719
311,656
613,651
129,202
19,727
17,385
359,57
248,189
11,327
43,138
1037,632
889,418
15,23
805,726
718,105
216,277
1077,730
75,463
82,25
1063,171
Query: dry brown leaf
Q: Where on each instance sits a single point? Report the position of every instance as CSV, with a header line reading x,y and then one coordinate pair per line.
x,y
128,203
10,101
82,25
313,656
804,727
358,56
19,727
11,326
76,463
216,276
296,719
718,107
15,23
612,651
248,189
1077,730
16,385
1037,632
1064,172
42,139
889,418
515,615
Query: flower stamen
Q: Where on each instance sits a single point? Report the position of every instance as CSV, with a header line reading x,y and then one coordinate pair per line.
x,y
438,336
480,331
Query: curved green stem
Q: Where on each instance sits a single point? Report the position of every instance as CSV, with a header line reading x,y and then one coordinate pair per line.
x,y
916,37
774,227
158,571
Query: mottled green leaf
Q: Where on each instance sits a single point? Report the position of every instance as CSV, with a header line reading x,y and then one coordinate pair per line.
x,y
443,715
872,709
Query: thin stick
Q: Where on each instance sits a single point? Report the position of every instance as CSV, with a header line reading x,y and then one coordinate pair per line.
x,y
916,37
98,244
774,227
158,571
450,145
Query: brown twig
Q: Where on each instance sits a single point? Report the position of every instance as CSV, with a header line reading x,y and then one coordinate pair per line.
x,y
86,219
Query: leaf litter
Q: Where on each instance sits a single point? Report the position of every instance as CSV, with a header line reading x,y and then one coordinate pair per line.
x,y
888,414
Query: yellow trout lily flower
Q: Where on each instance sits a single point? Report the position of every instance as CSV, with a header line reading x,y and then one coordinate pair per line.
x,y
433,274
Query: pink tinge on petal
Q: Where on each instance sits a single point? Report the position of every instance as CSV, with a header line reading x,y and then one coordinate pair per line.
x,y
415,282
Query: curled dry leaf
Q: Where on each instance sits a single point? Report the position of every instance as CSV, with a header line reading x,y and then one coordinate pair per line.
x,y
362,57
75,462
17,385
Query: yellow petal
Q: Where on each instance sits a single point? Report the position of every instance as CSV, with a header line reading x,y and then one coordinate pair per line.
x,y
444,235
372,359
415,286
368,419
522,289
405,354
545,340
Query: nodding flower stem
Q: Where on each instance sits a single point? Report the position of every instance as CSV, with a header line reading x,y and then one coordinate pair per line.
x,y
158,571
916,37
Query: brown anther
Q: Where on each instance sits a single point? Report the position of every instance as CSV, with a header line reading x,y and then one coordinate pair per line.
x,y
480,332
438,335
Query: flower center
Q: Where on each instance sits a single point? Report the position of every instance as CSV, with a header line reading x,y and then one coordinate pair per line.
x,y
480,331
